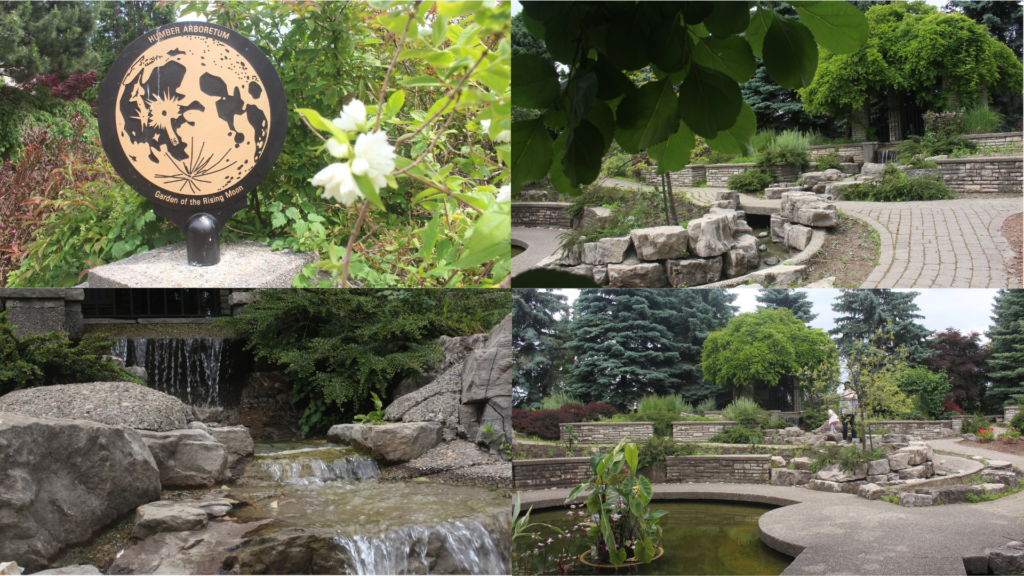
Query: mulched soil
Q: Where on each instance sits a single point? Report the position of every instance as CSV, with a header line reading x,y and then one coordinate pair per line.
x,y
1012,231
997,446
849,254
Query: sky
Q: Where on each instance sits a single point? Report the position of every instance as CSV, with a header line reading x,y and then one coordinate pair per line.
x,y
967,310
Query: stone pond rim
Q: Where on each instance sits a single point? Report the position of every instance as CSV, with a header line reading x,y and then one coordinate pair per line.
x,y
202,233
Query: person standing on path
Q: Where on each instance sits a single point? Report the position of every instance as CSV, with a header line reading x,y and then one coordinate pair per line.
x,y
848,407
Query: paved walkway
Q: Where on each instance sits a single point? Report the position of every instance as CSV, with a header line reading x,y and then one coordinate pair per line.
x,y
1009,505
844,534
539,242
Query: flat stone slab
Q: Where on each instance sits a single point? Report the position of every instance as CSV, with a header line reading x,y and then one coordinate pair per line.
x,y
242,265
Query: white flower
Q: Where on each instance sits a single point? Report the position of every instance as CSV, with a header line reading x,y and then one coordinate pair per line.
x,y
338,184
378,156
504,194
352,117
503,137
337,149
486,125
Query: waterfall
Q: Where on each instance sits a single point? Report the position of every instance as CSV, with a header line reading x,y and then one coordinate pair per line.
x,y
119,349
138,353
830,191
313,471
469,547
886,156
186,368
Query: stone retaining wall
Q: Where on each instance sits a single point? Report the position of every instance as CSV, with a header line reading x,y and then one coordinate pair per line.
x,y
698,431
541,215
999,139
737,469
546,472
591,214
958,422
855,149
992,174
1009,412
42,310
607,432
926,429
719,174
688,176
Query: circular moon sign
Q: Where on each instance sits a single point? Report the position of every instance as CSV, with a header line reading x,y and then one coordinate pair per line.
x,y
192,116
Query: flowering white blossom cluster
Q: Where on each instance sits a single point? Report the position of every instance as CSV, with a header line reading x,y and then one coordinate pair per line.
x,y
372,156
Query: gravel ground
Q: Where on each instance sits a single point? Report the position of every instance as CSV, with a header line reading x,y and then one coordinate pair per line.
x,y
457,462
1012,231
113,403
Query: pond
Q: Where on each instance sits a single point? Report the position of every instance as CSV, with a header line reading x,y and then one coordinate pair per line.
x,y
699,537
516,250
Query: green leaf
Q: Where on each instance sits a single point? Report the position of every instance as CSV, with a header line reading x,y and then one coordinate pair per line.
x,y
366,187
669,46
440,31
416,81
321,123
631,454
760,20
454,9
474,202
790,54
277,219
490,240
584,148
609,539
736,140
595,461
838,26
534,82
696,12
583,96
646,492
647,116
728,18
611,81
531,152
557,175
645,551
432,57
603,118
626,46
395,103
674,154
496,76
429,237
709,101
730,56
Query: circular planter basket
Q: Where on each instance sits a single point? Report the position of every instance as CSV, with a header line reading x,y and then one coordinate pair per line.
x,y
629,563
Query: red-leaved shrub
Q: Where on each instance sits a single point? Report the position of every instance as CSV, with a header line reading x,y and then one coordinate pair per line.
x,y
64,88
45,167
544,423
950,406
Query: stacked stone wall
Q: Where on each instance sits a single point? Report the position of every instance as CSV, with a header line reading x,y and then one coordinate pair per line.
x,y
983,175
550,472
736,469
856,150
997,140
926,429
1009,412
688,176
699,431
607,432
541,215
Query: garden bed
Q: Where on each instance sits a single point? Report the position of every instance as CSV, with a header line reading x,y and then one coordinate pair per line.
x,y
849,254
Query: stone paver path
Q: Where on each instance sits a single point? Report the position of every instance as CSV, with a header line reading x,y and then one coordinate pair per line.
x,y
1009,505
540,243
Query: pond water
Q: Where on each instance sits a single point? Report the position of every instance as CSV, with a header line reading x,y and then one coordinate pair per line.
x,y
699,537
516,250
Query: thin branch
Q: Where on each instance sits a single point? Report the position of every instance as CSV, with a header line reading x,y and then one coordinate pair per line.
x,y
394,59
488,160
444,190
351,243
308,125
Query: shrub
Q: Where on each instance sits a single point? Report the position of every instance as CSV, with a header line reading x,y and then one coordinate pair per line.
x,y
974,423
849,458
763,140
706,405
813,418
829,161
950,407
752,181
655,450
1011,436
661,419
46,359
929,387
668,403
557,400
944,124
896,187
986,435
745,412
545,423
1018,421
934,145
981,120
739,434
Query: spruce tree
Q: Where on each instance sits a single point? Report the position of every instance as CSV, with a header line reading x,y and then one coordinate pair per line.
x,y
630,343
1007,360
866,312
45,37
121,23
792,300
539,322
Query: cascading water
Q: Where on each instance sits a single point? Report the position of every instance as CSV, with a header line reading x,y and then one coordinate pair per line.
x,y
470,548
830,192
315,471
886,156
187,368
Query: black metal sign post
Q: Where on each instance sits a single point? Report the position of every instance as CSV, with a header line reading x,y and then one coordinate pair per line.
x,y
193,116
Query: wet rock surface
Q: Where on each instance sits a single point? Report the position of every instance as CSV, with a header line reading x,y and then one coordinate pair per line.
x,y
114,403
266,408
188,458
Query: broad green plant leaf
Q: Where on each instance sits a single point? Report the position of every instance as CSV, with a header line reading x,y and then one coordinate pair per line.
x,y
626,46
583,96
557,174
709,101
534,82
760,20
731,56
319,122
531,152
439,32
736,140
790,54
728,18
454,9
418,81
837,26
674,154
584,148
647,117
366,187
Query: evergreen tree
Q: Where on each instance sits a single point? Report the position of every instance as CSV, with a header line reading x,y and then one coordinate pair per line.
x,y
523,42
1007,361
887,313
1004,19
630,343
796,302
121,23
44,37
780,109
964,359
539,322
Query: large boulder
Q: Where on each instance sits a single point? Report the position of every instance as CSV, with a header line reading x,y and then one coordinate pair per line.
x,y
239,445
115,403
833,473
660,242
1005,560
177,515
798,237
63,481
747,244
711,235
392,443
694,272
808,209
734,263
778,228
266,408
788,477
188,458
186,552
487,372
647,275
